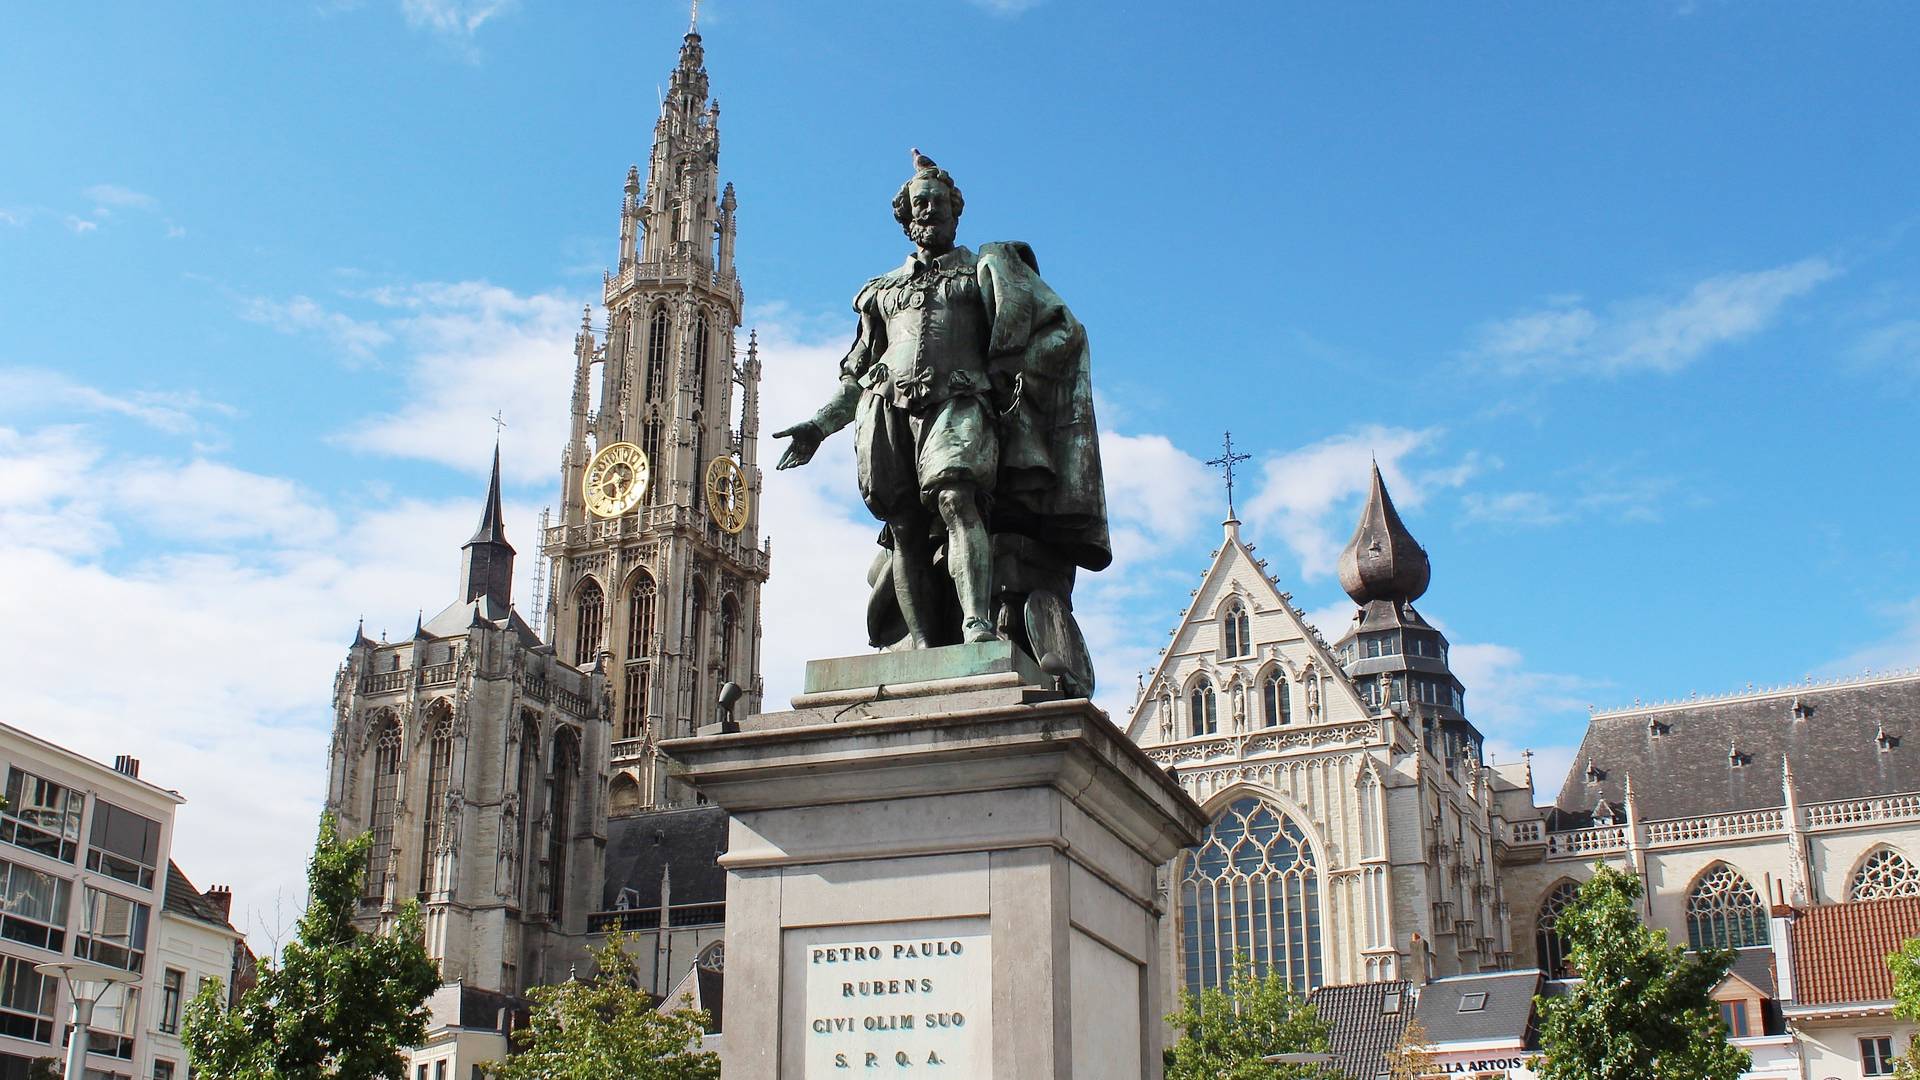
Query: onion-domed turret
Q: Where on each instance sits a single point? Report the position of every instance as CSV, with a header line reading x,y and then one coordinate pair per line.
x,y
1383,561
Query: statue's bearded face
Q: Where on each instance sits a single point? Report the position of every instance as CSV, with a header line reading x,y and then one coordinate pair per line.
x,y
931,222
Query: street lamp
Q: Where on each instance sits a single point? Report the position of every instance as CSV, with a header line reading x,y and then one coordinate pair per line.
x,y
85,985
1299,1058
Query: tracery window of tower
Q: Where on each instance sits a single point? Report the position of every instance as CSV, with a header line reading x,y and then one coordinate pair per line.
x,y
439,774
657,356
1253,888
529,770
699,459
1724,911
1276,698
633,715
589,624
696,645
1552,948
650,442
1884,874
1203,705
640,616
566,762
386,793
729,628
700,344
1237,629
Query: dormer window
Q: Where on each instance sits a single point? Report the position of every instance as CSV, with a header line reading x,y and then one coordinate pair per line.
x,y
1657,729
1595,774
1237,630
1885,739
1474,1002
1801,710
1390,1003
1737,759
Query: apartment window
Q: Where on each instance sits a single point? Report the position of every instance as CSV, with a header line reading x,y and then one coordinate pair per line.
x,y
113,931
162,1070
172,984
41,816
116,1017
26,1001
123,845
422,1073
440,1069
1734,1015
1876,1056
35,907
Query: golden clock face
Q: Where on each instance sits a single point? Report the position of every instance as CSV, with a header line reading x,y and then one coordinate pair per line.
x,y
616,480
727,496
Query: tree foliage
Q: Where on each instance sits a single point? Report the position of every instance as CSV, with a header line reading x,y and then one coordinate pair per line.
x,y
1904,964
1226,1033
1641,1008
339,1004
1411,1058
606,1026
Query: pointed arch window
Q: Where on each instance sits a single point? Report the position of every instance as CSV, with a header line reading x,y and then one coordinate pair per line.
x,y
697,646
633,711
439,777
699,459
700,344
386,795
1884,874
590,620
1237,629
1276,699
1551,947
566,762
657,355
1252,887
1724,911
640,607
650,443
1203,705
729,631
529,771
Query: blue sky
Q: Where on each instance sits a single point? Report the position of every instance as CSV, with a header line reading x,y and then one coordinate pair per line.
x,y
1622,297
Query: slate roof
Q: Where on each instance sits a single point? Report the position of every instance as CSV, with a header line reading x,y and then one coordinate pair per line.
x,y
1506,1015
183,899
1755,967
1363,1032
1840,950
689,842
1832,744
706,988
459,616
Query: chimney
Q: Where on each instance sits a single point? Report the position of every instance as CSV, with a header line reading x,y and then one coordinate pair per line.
x,y
127,766
221,897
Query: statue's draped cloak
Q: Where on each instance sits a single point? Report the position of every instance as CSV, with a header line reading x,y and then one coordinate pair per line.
x,y
1051,486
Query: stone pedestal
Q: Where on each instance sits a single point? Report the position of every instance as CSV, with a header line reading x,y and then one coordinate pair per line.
x,y
950,877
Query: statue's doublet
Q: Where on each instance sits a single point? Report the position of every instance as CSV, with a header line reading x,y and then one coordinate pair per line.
x,y
925,330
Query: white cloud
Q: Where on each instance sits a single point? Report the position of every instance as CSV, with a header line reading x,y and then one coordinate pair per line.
x,y
1310,497
114,195
1520,708
25,390
452,18
1532,508
359,338
1897,648
1006,7
1654,333
81,225
1894,345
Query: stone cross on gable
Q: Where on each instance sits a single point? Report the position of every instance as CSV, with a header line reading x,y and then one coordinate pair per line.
x,y
1225,462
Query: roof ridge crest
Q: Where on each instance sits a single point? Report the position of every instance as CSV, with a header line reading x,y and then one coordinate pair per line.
x,y
1753,693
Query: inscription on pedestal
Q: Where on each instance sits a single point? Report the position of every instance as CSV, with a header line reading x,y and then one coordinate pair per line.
x,y
879,1005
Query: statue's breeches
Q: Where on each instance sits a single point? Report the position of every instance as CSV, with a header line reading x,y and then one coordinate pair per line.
x,y
905,459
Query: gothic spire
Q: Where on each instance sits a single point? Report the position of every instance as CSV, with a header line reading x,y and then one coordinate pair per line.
x,y
487,570
1383,561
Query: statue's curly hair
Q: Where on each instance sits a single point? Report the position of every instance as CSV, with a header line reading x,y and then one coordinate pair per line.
x,y
903,207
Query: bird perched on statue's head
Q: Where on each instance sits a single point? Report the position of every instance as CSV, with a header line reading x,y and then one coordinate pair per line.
x,y
922,161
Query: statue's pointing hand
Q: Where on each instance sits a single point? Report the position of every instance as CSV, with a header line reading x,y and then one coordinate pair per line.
x,y
806,437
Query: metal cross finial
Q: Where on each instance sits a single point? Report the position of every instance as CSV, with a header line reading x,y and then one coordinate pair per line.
x,y
499,422
1225,462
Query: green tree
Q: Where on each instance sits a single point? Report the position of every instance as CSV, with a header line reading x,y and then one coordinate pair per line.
x,y
1641,1009
1904,964
1227,1032
338,1005
606,1026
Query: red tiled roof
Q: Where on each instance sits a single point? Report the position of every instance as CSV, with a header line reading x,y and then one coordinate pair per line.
x,y
1840,950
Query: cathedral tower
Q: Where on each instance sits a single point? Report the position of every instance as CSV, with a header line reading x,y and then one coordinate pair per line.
x,y
657,564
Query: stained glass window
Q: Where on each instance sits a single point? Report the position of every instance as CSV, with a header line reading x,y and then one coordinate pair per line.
x,y
1546,937
1205,707
1277,696
1885,873
1724,911
1252,888
386,780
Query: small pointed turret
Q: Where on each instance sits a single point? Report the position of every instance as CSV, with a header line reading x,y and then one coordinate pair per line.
x,y
487,571
1383,561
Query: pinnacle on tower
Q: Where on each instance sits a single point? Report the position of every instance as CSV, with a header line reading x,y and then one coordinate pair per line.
x,y
1383,561
487,571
